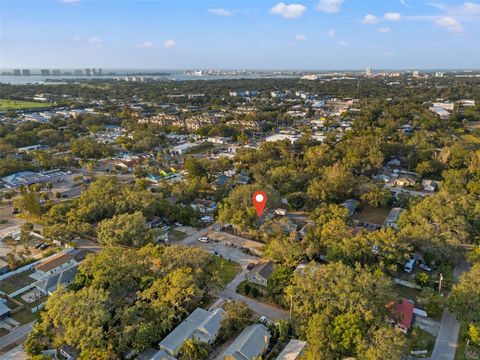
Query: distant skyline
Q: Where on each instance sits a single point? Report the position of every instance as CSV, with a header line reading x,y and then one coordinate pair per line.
x,y
321,34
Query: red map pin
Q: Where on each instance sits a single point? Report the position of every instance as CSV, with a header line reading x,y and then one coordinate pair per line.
x,y
259,202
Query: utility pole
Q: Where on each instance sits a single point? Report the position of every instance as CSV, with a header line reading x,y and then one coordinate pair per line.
x,y
440,284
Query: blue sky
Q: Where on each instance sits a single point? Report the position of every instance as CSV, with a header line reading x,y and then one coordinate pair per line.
x,y
174,34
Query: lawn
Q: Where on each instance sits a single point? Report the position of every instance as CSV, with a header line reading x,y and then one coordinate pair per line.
x,y
421,340
226,269
177,235
372,215
25,316
406,292
6,104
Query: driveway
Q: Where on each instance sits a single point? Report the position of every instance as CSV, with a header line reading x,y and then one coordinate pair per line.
x,y
16,353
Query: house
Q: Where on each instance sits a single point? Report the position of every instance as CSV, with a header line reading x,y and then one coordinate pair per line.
x,y
261,273
405,180
293,350
249,345
351,205
65,277
429,185
392,218
237,241
183,148
152,354
402,314
204,206
221,181
4,267
200,324
55,264
394,162
243,178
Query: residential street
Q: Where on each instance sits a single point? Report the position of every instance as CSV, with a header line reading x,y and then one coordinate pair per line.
x,y
16,336
446,343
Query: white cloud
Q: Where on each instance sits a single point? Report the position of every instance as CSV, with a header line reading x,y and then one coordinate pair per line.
x,y
169,44
146,45
369,19
449,23
392,16
288,11
331,33
220,12
343,43
95,40
300,37
329,6
467,9
383,30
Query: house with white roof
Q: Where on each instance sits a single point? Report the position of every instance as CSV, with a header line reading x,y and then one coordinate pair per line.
x,y
200,324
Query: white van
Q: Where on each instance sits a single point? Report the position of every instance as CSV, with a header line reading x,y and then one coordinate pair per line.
x,y
409,265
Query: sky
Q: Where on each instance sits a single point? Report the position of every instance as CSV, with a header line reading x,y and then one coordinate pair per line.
x,y
179,34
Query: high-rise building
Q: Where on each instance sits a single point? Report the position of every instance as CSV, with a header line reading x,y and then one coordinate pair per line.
x,y
56,72
17,72
368,71
26,72
78,72
88,72
439,74
45,72
416,73
100,72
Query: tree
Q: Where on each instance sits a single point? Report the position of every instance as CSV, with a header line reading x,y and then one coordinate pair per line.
x,y
237,316
376,197
336,184
193,349
125,230
340,309
464,300
28,201
278,281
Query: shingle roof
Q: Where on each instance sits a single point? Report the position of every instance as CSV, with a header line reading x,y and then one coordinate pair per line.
x,y
263,268
51,283
251,343
54,262
201,324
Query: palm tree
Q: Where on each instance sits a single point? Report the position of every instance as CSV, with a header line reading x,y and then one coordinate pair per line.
x,y
193,349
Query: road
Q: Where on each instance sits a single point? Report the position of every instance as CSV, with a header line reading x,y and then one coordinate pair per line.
x,y
16,336
16,353
446,343
272,312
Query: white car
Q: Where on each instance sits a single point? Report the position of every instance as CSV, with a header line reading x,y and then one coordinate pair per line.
x,y
263,320
203,239
409,265
425,267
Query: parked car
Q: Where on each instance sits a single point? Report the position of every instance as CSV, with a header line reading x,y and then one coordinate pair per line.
x,y
263,320
250,266
44,246
178,224
38,245
64,196
15,211
425,267
203,239
409,265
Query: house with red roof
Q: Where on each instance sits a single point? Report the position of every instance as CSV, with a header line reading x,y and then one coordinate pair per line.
x,y
402,314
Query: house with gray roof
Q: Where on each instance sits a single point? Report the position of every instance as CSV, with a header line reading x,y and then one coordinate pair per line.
x,y
49,284
392,218
261,273
293,351
250,344
4,309
200,324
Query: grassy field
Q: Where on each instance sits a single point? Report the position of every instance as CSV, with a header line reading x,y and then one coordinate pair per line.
x,y
24,316
462,345
177,235
471,139
226,269
421,340
6,104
